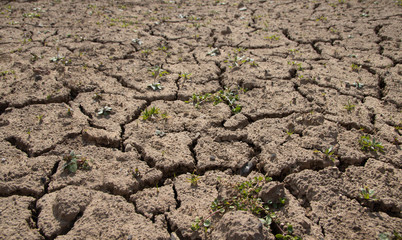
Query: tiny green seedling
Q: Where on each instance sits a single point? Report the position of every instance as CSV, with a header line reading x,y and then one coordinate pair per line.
x,y
370,145
69,112
40,118
157,71
367,193
105,111
155,86
329,153
288,235
185,76
151,113
194,179
97,97
214,52
355,67
136,173
349,107
74,162
390,236
159,133
289,132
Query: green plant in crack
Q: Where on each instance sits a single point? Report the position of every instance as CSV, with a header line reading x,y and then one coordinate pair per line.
x,y
330,154
367,193
245,198
349,106
368,144
194,178
75,162
148,114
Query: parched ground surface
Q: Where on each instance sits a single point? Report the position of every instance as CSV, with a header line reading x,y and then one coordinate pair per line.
x,y
318,76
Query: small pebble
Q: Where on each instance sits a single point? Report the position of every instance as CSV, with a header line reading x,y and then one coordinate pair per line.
x,y
212,158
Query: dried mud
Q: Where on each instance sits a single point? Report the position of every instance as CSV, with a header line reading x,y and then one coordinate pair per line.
x,y
302,63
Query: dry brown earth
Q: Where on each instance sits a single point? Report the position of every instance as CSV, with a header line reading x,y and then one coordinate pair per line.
x,y
302,63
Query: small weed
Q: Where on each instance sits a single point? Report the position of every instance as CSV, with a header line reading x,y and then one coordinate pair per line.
x,y
31,15
146,52
40,118
355,67
322,18
151,113
299,65
185,76
157,71
159,133
367,193
370,145
105,111
288,235
69,112
193,179
136,173
214,52
246,199
97,97
390,236
74,162
272,37
349,107
358,85
155,86
227,96
289,132
329,153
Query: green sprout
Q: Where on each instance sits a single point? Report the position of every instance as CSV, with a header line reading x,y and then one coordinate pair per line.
x,y
157,71
193,179
185,75
329,153
151,113
370,145
40,118
245,198
74,162
214,52
272,37
349,107
146,52
155,86
104,111
136,173
367,193
355,67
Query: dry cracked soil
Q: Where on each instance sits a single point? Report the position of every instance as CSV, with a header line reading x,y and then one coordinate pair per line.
x,y
170,107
